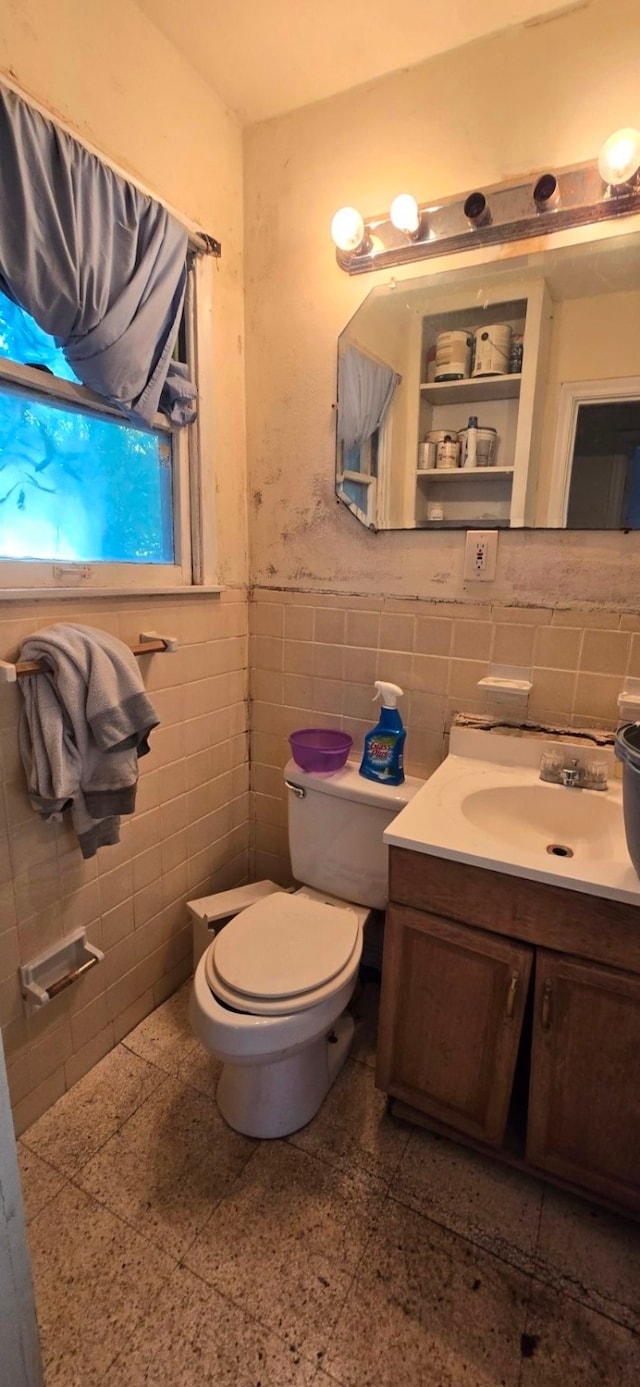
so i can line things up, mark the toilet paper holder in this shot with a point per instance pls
(57, 969)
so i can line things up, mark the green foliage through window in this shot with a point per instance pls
(76, 485)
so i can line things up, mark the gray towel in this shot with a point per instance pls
(85, 722)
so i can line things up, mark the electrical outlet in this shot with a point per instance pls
(480, 556)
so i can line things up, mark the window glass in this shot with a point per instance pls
(357, 493)
(22, 340)
(75, 485)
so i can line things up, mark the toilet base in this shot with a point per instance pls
(277, 1098)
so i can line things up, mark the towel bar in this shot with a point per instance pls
(150, 643)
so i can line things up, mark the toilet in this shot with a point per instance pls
(270, 991)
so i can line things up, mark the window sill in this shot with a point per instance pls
(68, 594)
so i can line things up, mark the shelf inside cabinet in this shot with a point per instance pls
(442, 392)
(469, 474)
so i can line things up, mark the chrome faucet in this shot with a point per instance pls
(570, 775)
(570, 771)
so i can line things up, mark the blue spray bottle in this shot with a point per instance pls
(383, 745)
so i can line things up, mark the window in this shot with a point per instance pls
(87, 499)
(359, 476)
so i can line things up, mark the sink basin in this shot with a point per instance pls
(546, 818)
(486, 805)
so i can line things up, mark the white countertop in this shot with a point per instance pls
(486, 805)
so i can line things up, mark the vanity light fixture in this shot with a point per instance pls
(546, 193)
(619, 160)
(574, 196)
(477, 210)
(405, 215)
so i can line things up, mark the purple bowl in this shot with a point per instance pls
(320, 749)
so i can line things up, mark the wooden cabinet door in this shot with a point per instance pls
(584, 1105)
(452, 1005)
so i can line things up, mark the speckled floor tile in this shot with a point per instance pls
(195, 1336)
(364, 1008)
(428, 1309)
(353, 1127)
(593, 1255)
(166, 1168)
(567, 1345)
(285, 1242)
(95, 1279)
(85, 1117)
(165, 1039)
(40, 1182)
(494, 1206)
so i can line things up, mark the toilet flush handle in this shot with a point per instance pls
(298, 790)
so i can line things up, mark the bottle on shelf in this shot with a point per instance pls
(470, 458)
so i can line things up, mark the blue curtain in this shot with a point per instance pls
(365, 391)
(97, 264)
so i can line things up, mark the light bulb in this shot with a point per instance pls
(404, 213)
(619, 158)
(347, 229)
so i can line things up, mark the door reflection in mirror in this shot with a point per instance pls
(604, 491)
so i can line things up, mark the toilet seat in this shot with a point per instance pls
(283, 955)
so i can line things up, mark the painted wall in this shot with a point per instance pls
(114, 79)
(522, 100)
(108, 74)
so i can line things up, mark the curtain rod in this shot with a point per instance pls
(199, 241)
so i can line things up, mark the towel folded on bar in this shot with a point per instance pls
(86, 719)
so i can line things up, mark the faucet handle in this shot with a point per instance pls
(551, 764)
(597, 773)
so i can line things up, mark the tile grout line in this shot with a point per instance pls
(262, 1324)
(71, 1176)
(537, 1272)
(216, 1206)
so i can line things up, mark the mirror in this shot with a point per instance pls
(501, 394)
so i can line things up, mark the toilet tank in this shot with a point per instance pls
(335, 831)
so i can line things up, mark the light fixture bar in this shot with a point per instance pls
(508, 212)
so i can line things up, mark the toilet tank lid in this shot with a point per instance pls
(222, 904)
(349, 784)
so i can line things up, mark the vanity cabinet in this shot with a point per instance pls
(450, 1046)
(584, 1105)
(489, 977)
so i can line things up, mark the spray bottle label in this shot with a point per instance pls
(380, 749)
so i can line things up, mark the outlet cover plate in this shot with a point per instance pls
(480, 556)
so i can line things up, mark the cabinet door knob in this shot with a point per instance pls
(511, 994)
(546, 1004)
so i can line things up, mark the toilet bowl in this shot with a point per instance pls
(270, 991)
(267, 1002)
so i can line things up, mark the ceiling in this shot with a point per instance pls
(267, 58)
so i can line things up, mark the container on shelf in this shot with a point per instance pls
(448, 453)
(516, 354)
(492, 349)
(485, 446)
(431, 446)
(435, 512)
(427, 454)
(453, 355)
